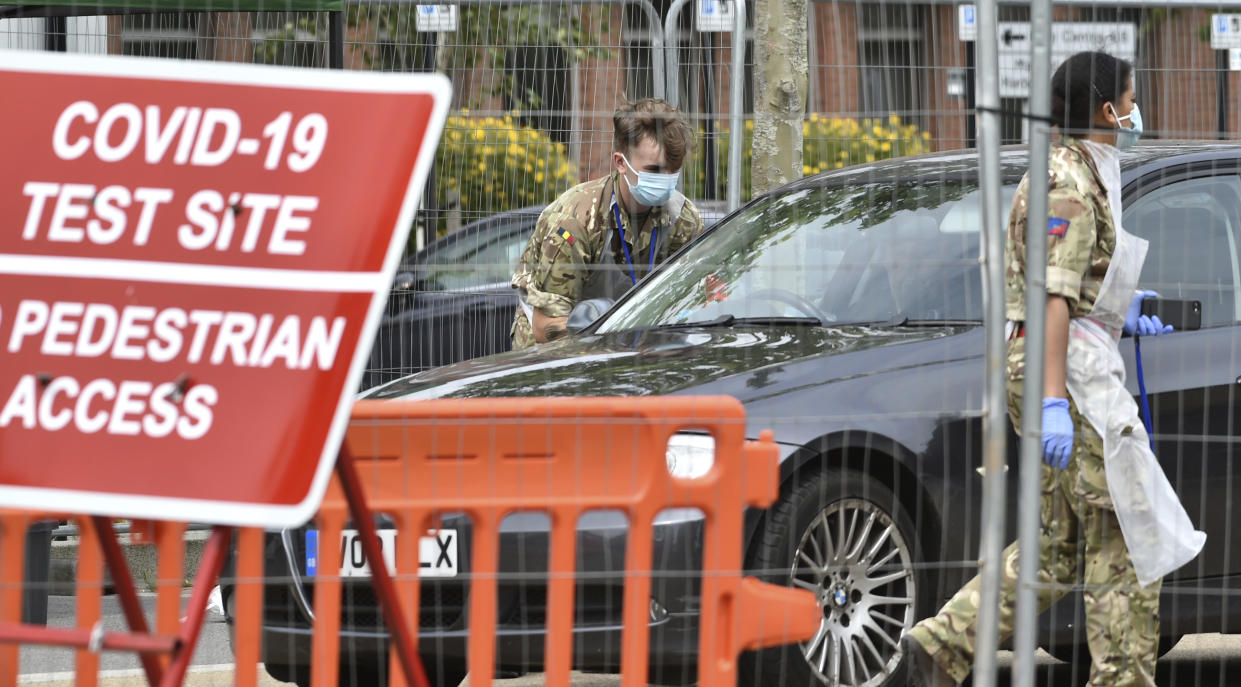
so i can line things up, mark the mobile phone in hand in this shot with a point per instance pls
(1181, 314)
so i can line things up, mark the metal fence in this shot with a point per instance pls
(893, 412)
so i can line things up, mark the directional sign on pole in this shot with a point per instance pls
(1067, 38)
(967, 22)
(193, 262)
(1225, 31)
(715, 15)
(435, 18)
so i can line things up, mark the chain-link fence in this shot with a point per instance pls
(849, 312)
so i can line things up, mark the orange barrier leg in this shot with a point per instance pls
(127, 595)
(209, 569)
(364, 522)
(249, 591)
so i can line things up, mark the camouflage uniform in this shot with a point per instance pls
(569, 258)
(1122, 619)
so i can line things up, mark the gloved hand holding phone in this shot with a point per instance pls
(1137, 324)
(1057, 432)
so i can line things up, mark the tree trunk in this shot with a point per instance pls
(780, 75)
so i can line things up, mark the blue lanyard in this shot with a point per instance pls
(1146, 409)
(633, 278)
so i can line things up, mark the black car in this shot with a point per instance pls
(451, 301)
(845, 311)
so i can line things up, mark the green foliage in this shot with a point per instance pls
(387, 39)
(497, 164)
(828, 143)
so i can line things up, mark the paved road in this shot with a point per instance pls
(1198, 661)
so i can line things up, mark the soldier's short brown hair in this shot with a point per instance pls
(655, 119)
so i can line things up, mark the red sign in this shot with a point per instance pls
(193, 262)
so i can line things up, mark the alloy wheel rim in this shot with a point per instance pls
(860, 568)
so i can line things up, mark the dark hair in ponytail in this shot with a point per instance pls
(1082, 85)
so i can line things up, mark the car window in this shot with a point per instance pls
(1193, 227)
(486, 256)
(842, 254)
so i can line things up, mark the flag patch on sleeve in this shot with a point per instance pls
(564, 234)
(1057, 226)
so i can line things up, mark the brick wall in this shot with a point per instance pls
(834, 58)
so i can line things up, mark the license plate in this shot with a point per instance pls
(437, 553)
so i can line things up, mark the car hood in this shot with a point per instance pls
(741, 362)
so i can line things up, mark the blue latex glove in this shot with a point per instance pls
(1057, 432)
(1135, 312)
(1150, 325)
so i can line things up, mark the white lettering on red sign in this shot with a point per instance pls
(198, 257)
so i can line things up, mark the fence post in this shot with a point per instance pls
(1029, 503)
(995, 426)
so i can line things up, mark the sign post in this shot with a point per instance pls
(1116, 39)
(195, 261)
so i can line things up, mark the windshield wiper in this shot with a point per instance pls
(776, 321)
(732, 320)
(721, 321)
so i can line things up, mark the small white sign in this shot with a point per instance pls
(1225, 31)
(431, 18)
(1234, 59)
(967, 23)
(715, 15)
(1117, 39)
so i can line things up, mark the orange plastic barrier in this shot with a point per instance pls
(489, 458)
(164, 651)
(410, 460)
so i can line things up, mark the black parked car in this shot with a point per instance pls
(451, 301)
(845, 312)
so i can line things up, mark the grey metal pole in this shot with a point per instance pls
(736, 107)
(995, 425)
(1029, 505)
(672, 61)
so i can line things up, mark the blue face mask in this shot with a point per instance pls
(653, 189)
(1127, 137)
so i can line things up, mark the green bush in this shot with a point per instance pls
(496, 164)
(828, 143)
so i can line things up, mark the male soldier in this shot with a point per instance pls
(600, 237)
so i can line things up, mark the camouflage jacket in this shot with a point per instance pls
(1080, 233)
(567, 251)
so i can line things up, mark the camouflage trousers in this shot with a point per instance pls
(521, 331)
(1122, 619)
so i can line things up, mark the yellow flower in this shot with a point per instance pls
(482, 166)
(539, 162)
(870, 157)
(885, 147)
(538, 178)
(805, 170)
(514, 149)
(894, 120)
(512, 136)
(488, 150)
(528, 167)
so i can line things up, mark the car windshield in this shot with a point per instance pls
(865, 253)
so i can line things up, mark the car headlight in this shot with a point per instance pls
(690, 455)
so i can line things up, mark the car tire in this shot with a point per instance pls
(1079, 653)
(443, 672)
(284, 672)
(871, 589)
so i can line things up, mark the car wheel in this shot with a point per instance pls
(284, 672)
(443, 672)
(845, 538)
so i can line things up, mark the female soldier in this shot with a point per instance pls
(1092, 273)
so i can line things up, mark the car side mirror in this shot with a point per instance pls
(586, 312)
